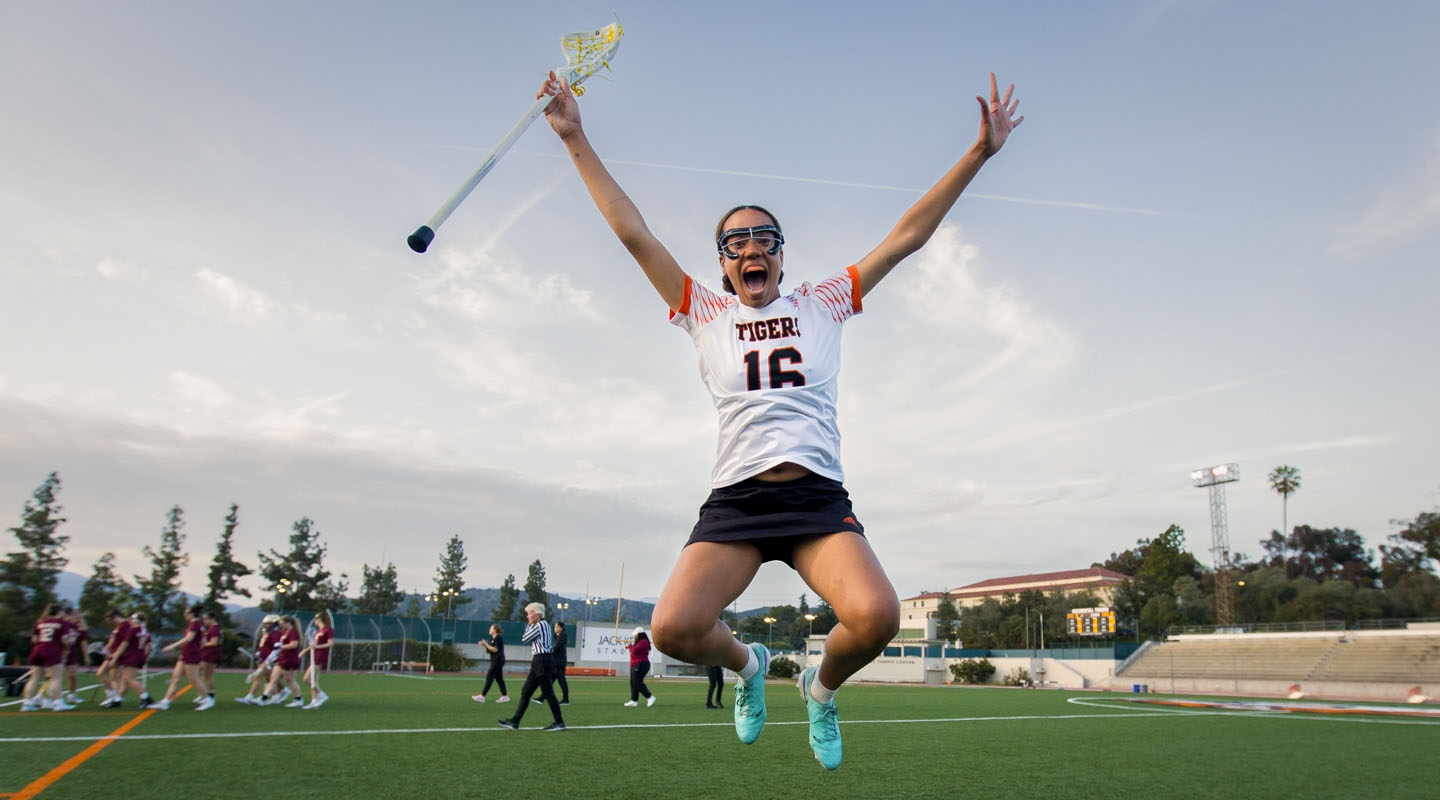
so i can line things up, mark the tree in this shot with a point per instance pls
(1322, 554)
(535, 585)
(225, 571)
(298, 580)
(379, 591)
(1285, 479)
(449, 578)
(505, 608)
(28, 576)
(103, 590)
(947, 620)
(158, 591)
(1424, 533)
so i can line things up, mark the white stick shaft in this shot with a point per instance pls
(490, 161)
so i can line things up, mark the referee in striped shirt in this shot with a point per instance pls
(542, 670)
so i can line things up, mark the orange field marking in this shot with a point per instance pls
(48, 779)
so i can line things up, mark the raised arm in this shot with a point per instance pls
(997, 119)
(619, 212)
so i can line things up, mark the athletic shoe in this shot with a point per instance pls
(296, 703)
(750, 699)
(146, 701)
(650, 701)
(564, 702)
(30, 705)
(246, 700)
(554, 726)
(711, 705)
(509, 724)
(631, 704)
(504, 698)
(73, 699)
(198, 700)
(318, 700)
(284, 695)
(479, 698)
(60, 705)
(537, 701)
(824, 723)
(163, 705)
(205, 705)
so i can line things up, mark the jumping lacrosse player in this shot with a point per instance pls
(771, 363)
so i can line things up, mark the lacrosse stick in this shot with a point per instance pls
(585, 53)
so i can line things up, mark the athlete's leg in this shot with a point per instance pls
(707, 578)
(844, 571)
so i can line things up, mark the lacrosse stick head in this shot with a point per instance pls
(587, 52)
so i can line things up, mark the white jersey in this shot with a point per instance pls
(773, 374)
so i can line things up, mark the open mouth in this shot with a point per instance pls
(755, 278)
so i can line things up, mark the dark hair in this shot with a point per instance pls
(720, 228)
(559, 624)
(641, 635)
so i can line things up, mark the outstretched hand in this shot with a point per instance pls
(564, 113)
(997, 118)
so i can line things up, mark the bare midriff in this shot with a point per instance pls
(783, 472)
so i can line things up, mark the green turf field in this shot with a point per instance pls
(422, 737)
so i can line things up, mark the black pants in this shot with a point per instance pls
(560, 679)
(637, 681)
(542, 674)
(717, 684)
(495, 675)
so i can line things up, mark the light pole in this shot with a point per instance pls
(280, 589)
(589, 603)
(1215, 478)
(771, 644)
(810, 618)
(561, 608)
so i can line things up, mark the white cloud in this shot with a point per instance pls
(119, 270)
(236, 295)
(1402, 212)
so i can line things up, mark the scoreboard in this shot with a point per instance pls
(1099, 621)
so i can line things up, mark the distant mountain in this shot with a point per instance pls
(68, 587)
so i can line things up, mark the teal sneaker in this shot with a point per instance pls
(824, 723)
(749, 702)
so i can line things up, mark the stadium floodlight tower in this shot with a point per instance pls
(1215, 479)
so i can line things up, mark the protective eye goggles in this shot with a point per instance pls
(766, 237)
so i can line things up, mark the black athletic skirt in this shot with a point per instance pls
(775, 516)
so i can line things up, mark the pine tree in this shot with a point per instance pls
(298, 580)
(225, 571)
(505, 608)
(379, 591)
(535, 586)
(449, 581)
(27, 577)
(103, 590)
(159, 592)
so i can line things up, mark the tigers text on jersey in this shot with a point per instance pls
(773, 374)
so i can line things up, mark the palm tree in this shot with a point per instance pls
(1285, 479)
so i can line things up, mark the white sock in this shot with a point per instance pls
(819, 693)
(751, 667)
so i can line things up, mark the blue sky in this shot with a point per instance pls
(1213, 240)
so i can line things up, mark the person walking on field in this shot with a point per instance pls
(496, 674)
(639, 668)
(562, 661)
(771, 363)
(716, 674)
(542, 670)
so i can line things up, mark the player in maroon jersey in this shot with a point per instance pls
(212, 651)
(319, 651)
(188, 664)
(75, 654)
(108, 674)
(287, 662)
(133, 655)
(265, 655)
(47, 658)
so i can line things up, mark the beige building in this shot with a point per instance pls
(917, 613)
(1098, 581)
